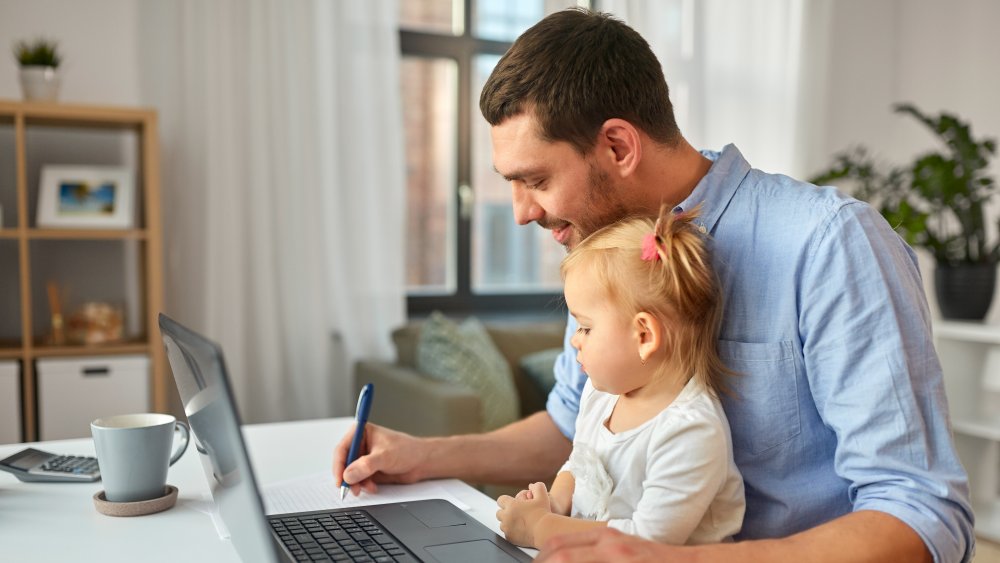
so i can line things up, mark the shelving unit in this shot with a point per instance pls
(970, 359)
(34, 246)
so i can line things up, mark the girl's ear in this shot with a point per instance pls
(648, 335)
(620, 141)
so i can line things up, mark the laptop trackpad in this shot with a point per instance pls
(480, 551)
(436, 515)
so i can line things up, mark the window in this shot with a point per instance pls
(464, 251)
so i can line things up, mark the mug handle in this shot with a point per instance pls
(180, 425)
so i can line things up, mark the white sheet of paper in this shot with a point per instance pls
(319, 492)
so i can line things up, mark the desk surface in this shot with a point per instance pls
(58, 521)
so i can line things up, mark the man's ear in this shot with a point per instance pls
(648, 335)
(619, 140)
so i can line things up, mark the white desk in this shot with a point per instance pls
(58, 521)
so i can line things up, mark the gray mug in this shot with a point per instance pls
(133, 452)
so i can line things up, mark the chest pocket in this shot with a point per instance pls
(764, 412)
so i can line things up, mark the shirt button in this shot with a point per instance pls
(702, 229)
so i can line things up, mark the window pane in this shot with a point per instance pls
(504, 20)
(506, 257)
(432, 16)
(430, 115)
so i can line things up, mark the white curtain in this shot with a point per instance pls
(748, 72)
(283, 188)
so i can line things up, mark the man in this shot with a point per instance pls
(838, 416)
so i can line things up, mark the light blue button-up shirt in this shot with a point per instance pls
(840, 404)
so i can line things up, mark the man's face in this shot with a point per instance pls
(552, 184)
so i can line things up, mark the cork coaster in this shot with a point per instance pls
(137, 508)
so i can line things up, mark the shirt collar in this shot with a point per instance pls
(717, 188)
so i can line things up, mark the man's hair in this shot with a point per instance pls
(676, 285)
(576, 69)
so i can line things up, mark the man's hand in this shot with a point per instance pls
(519, 516)
(386, 456)
(862, 536)
(605, 544)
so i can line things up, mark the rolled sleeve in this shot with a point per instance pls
(563, 404)
(876, 381)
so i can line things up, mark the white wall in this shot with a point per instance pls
(99, 40)
(938, 54)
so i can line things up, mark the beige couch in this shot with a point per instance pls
(412, 402)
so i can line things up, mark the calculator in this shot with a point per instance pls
(34, 465)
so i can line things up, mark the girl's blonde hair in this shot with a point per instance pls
(677, 286)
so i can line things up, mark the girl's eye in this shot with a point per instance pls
(583, 330)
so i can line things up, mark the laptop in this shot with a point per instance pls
(429, 530)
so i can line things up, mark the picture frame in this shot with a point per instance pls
(86, 197)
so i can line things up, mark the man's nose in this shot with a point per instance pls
(525, 208)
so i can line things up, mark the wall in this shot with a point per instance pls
(99, 39)
(939, 55)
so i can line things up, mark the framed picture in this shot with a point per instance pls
(89, 197)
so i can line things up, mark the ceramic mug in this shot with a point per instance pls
(134, 453)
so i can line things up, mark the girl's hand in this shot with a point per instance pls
(519, 516)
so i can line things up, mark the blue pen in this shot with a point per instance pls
(361, 417)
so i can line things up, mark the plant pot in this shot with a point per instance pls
(965, 291)
(40, 83)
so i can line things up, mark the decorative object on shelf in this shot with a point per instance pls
(937, 202)
(39, 61)
(97, 197)
(58, 337)
(95, 323)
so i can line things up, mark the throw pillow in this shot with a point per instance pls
(539, 367)
(466, 355)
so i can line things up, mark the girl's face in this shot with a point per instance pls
(607, 340)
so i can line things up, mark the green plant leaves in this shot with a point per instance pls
(936, 202)
(40, 52)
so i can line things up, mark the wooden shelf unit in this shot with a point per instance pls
(25, 115)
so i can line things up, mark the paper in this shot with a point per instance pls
(319, 492)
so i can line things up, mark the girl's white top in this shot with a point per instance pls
(672, 479)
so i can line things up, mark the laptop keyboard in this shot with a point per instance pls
(338, 536)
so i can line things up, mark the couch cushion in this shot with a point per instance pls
(466, 355)
(405, 340)
(539, 368)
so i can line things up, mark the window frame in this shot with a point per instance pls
(463, 49)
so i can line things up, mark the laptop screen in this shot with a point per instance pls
(200, 374)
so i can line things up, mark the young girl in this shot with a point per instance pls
(652, 454)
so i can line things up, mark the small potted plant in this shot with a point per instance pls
(39, 61)
(936, 202)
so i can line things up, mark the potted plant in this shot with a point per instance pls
(936, 202)
(39, 61)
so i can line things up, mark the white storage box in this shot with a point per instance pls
(10, 402)
(72, 392)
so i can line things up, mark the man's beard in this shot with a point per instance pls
(603, 199)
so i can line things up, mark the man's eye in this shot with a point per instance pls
(536, 186)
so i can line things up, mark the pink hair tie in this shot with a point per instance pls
(649, 252)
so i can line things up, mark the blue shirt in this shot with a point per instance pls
(839, 405)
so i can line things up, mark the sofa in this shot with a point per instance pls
(418, 404)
